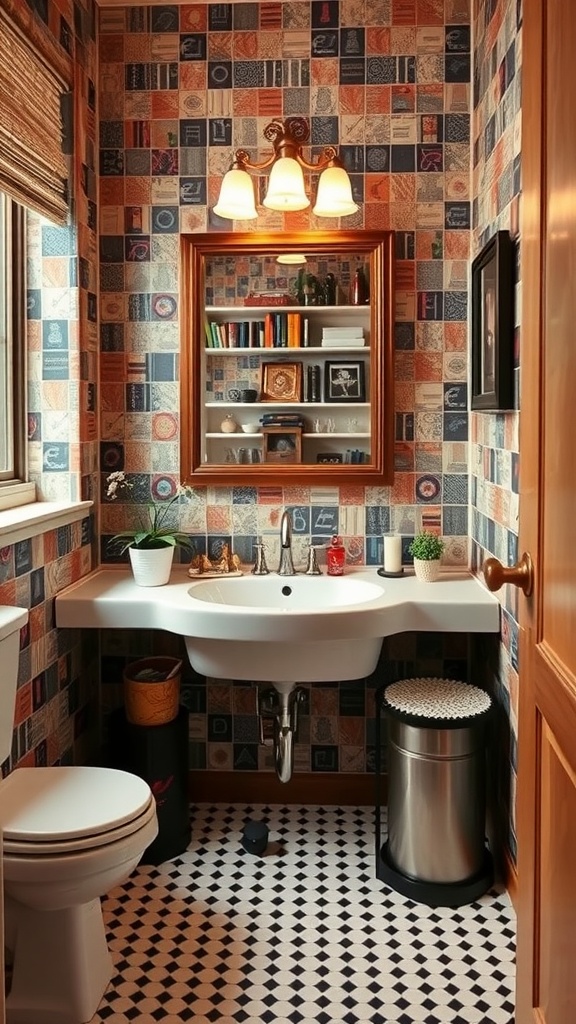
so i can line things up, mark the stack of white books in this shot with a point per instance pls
(343, 337)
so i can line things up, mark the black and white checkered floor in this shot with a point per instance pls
(303, 934)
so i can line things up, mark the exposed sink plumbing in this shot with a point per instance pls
(280, 703)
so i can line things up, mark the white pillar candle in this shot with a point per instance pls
(392, 552)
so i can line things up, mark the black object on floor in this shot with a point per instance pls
(255, 837)
(435, 894)
(159, 755)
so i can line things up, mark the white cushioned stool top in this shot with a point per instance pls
(437, 698)
(41, 804)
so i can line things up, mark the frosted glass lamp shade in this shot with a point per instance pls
(292, 259)
(334, 197)
(236, 199)
(286, 187)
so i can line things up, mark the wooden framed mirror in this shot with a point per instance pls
(305, 346)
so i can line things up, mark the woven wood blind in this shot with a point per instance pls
(32, 166)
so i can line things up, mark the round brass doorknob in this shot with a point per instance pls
(519, 575)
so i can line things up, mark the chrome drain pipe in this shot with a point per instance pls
(282, 707)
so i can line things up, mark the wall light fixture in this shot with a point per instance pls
(286, 191)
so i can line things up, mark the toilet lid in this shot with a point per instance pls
(46, 804)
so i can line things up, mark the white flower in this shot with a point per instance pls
(116, 480)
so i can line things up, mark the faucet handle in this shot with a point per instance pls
(260, 568)
(312, 568)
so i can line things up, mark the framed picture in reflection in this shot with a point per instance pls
(344, 381)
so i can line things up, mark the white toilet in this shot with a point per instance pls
(70, 835)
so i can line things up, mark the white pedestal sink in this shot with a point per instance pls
(286, 628)
(281, 630)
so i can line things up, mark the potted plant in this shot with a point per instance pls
(307, 288)
(151, 544)
(426, 549)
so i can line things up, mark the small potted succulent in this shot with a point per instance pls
(426, 549)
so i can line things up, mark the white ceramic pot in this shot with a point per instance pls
(427, 571)
(151, 566)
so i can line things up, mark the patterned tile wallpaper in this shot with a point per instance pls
(57, 702)
(180, 87)
(496, 154)
(57, 714)
(62, 273)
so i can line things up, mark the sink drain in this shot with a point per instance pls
(286, 591)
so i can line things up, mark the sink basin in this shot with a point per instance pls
(287, 593)
(286, 628)
(321, 628)
(11, 619)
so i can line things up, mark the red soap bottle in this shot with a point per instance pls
(335, 557)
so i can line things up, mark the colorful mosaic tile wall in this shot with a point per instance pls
(494, 436)
(180, 88)
(62, 303)
(390, 84)
(58, 682)
(57, 701)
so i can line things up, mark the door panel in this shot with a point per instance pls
(559, 456)
(556, 985)
(546, 804)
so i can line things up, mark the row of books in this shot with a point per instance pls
(276, 330)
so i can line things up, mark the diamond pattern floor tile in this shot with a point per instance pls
(305, 934)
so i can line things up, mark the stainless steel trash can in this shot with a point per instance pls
(436, 849)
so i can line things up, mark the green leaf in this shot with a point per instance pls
(426, 546)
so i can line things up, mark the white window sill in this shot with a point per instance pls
(38, 517)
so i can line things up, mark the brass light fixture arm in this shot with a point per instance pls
(287, 138)
(243, 162)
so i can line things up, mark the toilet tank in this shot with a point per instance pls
(11, 622)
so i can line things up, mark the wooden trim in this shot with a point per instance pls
(510, 878)
(19, 337)
(149, 3)
(194, 250)
(304, 788)
(532, 381)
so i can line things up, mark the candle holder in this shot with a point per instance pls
(392, 555)
(392, 575)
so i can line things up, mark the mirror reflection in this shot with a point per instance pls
(286, 345)
(289, 279)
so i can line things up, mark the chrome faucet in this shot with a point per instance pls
(286, 566)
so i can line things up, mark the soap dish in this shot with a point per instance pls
(391, 575)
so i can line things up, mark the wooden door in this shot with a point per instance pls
(546, 794)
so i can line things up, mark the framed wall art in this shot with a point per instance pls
(492, 356)
(281, 382)
(344, 381)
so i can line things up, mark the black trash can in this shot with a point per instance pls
(159, 755)
(436, 848)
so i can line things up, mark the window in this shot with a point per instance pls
(12, 355)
